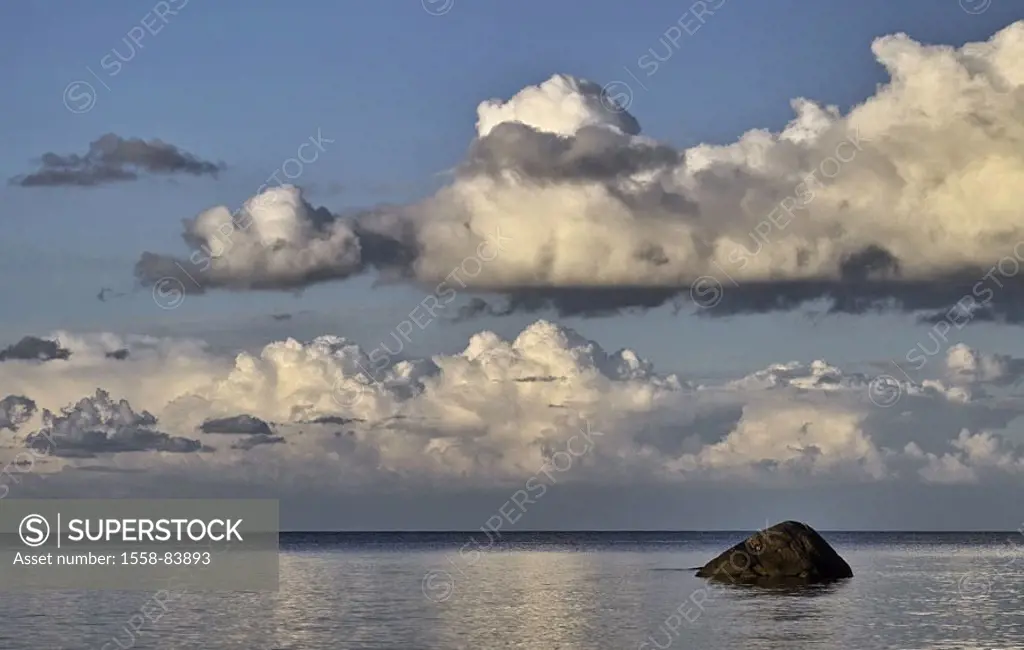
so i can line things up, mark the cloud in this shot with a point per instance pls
(251, 442)
(236, 424)
(153, 371)
(594, 153)
(104, 292)
(563, 105)
(909, 201)
(31, 348)
(275, 241)
(972, 454)
(113, 159)
(15, 410)
(98, 425)
(322, 415)
(967, 365)
(333, 419)
(813, 438)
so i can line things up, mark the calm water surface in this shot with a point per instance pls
(611, 591)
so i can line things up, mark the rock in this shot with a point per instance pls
(790, 553)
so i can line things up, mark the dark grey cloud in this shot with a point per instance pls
(106, 293)
(871, 285)
(15, 410)
(109, 469)
(98, 425)
(594, 153)
(246, 444)
(236, 424)
(112, 159)
(118, 355)
(1005, 312)
(33, 348)
(570, 301)
(333, 419)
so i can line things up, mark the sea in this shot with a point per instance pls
(555, 591)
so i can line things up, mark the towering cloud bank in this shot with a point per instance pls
(911, 200)
(548, 403)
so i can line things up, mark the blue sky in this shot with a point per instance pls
(396, 88)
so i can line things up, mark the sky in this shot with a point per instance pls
(620, 153)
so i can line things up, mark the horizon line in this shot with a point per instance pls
(642, 530)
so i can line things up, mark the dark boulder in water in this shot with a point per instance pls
(790, 553)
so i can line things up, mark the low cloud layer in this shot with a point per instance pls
(307, 415)
(909, 201)
(113, 159)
